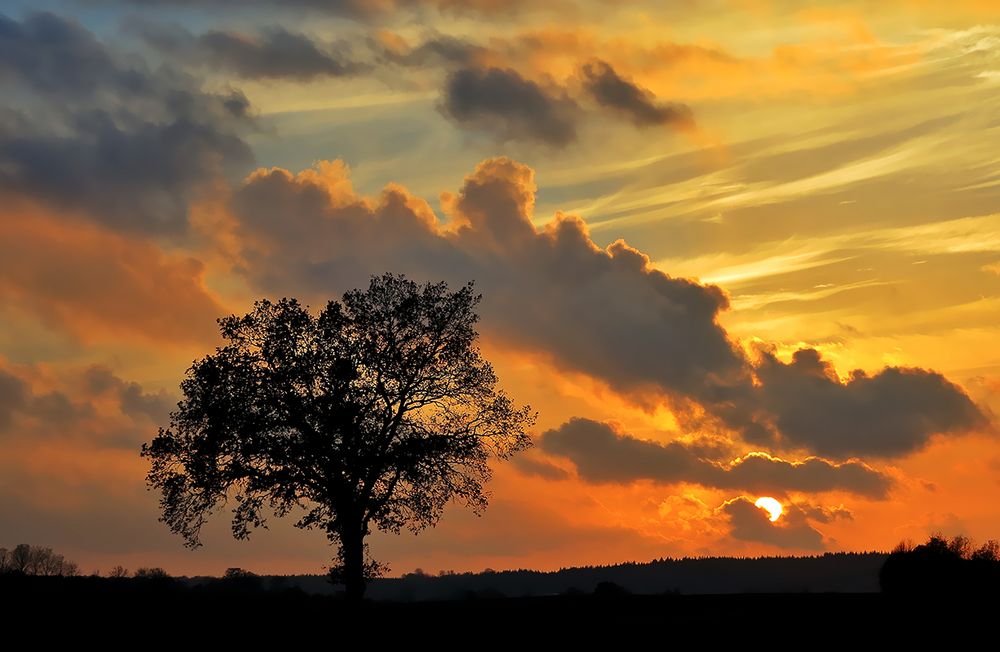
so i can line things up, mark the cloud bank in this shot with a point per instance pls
(86, 131)
(606, 312)
(602, 453)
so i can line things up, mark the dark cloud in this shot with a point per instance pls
(821, 514)
(603, 454)
(94, 406)
(13, 395)
(132, 399)
(57, 409)
(604, 311)
(275, 53)
(749, 523)
(890, 413)
(87, 131)
(533, 465)
(502, 103)
(614, 92)
(52, 409)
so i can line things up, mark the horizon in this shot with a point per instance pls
(741, 257)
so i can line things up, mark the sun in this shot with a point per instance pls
(771, 506)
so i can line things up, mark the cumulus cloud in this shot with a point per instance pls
(889, 413)
(612, 91)
(505, 104)
(793, 530)
(606, 312)
(87, 131)
(602, 453)
(274, 53)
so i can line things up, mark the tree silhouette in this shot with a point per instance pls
(942, 567)
(378, 411)
(26, 559)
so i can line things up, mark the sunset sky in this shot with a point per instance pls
(727, 249)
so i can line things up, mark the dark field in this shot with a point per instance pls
(936, 589)
(202, 613)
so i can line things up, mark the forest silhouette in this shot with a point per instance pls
(805, 594)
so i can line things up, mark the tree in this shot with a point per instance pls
(375, 412)
(940, 567)
(26, 559)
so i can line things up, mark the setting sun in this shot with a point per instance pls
(771, 506)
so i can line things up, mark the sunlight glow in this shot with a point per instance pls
(771, 506)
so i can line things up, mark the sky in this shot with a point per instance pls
(727, 249)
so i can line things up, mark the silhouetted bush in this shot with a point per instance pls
(941, 567)
(155, 574)
(118, 572)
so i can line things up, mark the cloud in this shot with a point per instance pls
(606, 312)
(505, 104)
(440, 49)
(90, 406)
(612, 91)
(132, 399)
(890, 413)
(822, 514)
(525, 463)
(12, 397)
(355, 9)
(87, 131)
(52, 409)
(602, 453)
(274, 53)
(97, 284)
(749, 523)
(24, 408)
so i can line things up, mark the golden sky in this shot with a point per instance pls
(728, 249)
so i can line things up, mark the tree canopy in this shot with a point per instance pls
(375, 412)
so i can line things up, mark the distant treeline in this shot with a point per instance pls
(939, 566)
(842, 572)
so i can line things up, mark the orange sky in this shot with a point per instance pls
(690, 228)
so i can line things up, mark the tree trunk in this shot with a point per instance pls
(353, 543)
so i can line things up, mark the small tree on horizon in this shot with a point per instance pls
(376, 412)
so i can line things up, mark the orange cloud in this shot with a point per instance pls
(99, 285)
(841, 59)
